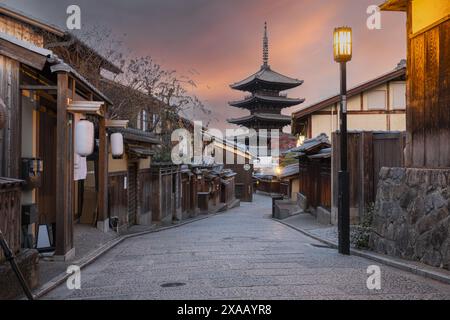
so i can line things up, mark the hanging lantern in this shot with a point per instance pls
(2, 114)
(84, 138)
(117, 145)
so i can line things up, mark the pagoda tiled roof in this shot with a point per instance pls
(267, 75)
(270, 117)
(272, 99)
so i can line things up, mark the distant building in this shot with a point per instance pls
(376, 105)
(265, 101)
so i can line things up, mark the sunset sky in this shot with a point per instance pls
(218, 42)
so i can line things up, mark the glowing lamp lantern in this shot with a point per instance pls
(342, 48)
(278, 171)
(84, 138)
(117, 148)
(342, 44)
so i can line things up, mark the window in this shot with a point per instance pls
(398, 96)
(144, 121)
(138, 121)
(376, 100)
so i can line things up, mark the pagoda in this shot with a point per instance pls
(266, 99)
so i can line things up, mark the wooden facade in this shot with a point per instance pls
(190, 182)
(165, 193)
(38, 89)
(118, 199)
(428, 81)
(10, 135)
(130, 179)
(10, 210)
(144, 191)
(428, 98)
(227, 193)
(239, 161)
(368, 152)
(315, 181)
(243, 181)
(244, 168)
(378, 104)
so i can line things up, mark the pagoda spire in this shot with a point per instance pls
(265, 47)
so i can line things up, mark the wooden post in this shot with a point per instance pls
(409, 119)
(102, 220)
(64, 219)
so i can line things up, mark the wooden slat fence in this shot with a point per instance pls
(368, 152)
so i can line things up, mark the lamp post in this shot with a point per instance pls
(342, 55)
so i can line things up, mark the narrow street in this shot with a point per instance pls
(240, 254)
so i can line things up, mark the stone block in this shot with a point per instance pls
(412, 215)
(323, 216)
(302, 201)
(285, 209)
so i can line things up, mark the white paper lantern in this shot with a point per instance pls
(117, 145)
(84, 138)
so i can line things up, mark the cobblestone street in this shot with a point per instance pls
(240, 254)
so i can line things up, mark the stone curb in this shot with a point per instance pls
(94, 255)
(424, 271)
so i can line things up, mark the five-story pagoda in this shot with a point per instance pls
(266, 99)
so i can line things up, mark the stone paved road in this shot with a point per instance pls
(240, 254)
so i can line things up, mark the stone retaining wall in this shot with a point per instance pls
(411, 218)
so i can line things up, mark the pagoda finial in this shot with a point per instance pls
(265, 47)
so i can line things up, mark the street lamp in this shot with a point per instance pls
(342, 55)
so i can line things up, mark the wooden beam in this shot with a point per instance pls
(38, 88)
(394, 5)
(27, 19)
(64, 219)
(388, 105)
(102, 172)
(22, 54)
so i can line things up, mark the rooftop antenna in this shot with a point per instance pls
(265, 47)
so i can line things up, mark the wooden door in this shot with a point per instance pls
(132, 194)
(47, 152)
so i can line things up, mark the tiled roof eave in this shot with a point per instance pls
(269, 118)
(268, 76)
(285, 85)
(275, 100)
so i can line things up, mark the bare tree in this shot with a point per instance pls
(160, 92)
(89, 52)
(133, 84)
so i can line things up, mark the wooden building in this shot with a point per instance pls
(408, 220)
(428, 83)
(45, 98)
(368, 152)
(191, 179)
(289, 181)
(129, 179)
(378, 104)
(166, 193)
(314, 174)
(240, 161)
